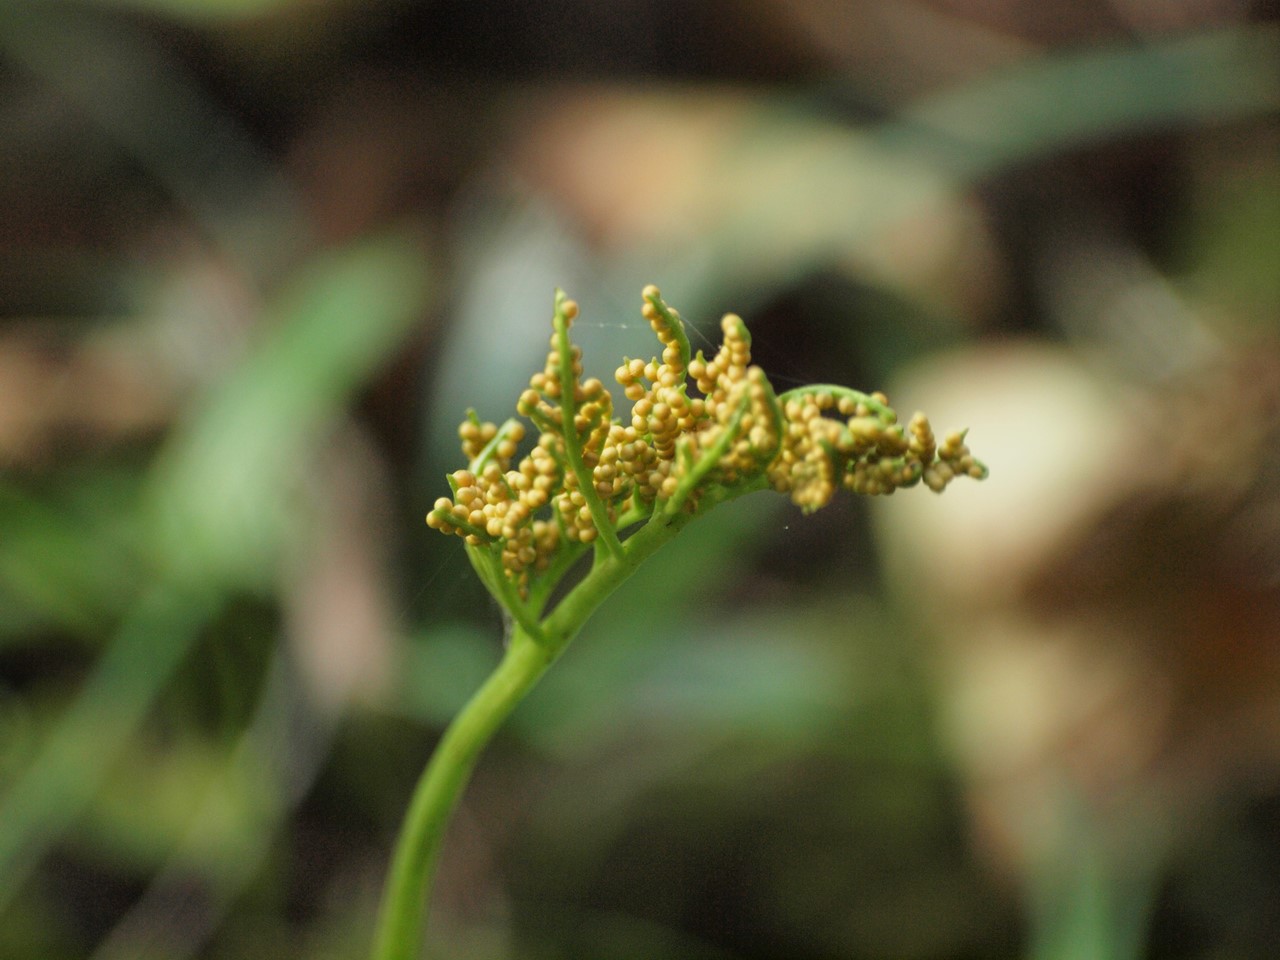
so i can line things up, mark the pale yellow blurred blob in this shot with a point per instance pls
(1108, 639)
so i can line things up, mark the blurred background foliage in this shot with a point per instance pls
(256, 258)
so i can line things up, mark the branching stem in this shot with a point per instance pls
(403, 914)
(739, 438)
(413, 865)
(572, 441)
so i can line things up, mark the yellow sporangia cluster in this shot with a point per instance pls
(838, 438)
(733, 431)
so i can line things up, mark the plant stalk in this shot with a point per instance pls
(401, 920)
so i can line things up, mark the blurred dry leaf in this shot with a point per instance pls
(59, 392)
(1109, 602)
(894, 51)
(338, 599)
(766, 190)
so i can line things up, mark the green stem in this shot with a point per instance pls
(413, 866)
(607, 575)
(488, 566)
(882, 411)
(709, 458)
(676, 326)
(403, 914)
(572, 442)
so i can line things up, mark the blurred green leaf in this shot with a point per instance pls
(71, 557)
(801, 193)
(145, 812)
(212, 11)
(1058, 102)
(1230, 246)
(226, 489)
(222, 502)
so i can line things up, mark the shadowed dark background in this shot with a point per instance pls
(258, 256)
